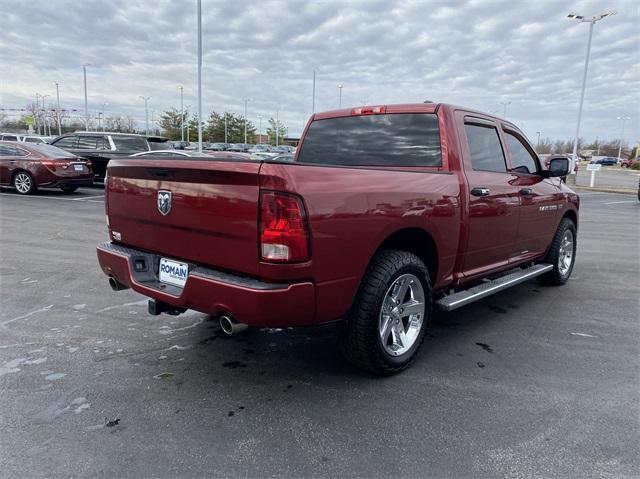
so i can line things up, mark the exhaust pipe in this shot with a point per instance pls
(116, 285)
(231, 326)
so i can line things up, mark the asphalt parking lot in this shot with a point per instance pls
(533, 382)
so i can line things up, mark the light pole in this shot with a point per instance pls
(504, 108)
(340, 95)
(146, 112)
(623, 119)
(200, 76)
(277, 126)
(182, 113)
(104, 118)
(592, 21)
(313, 96)
(86, 108)
(226, 116)
(58, 110)
(35, 113)
(260, 129)
(246, 100)
(44, 115)
(538, 144)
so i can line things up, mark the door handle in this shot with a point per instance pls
(480, 191)
(526, 191)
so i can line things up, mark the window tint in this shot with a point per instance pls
(374, 140)
(67, 142)
(485, 149)
(21, 152)
(6, 150)
(88, 142)
(9, 137)
(520, 155)
(130, 143)
(31, 139)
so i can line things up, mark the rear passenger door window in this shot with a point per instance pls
(89, 142)
(485, 148)
(522, 160)
(67, 142)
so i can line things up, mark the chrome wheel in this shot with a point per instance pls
(565, 254)
(23, 183)
(402, 315)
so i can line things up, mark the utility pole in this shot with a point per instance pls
(58, 110)
(340, 95)
(182, 113)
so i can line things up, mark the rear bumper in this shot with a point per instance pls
(210, 291)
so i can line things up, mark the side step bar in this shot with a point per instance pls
(464, 297)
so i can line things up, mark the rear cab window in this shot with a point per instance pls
(392, 139)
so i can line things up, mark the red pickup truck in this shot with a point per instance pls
(385, 212)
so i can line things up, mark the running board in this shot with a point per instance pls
(464, 297)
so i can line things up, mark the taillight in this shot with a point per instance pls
(284, 234)
(53, 164)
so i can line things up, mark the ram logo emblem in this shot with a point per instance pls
(164, 202)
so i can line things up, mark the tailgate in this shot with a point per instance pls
(201, 211)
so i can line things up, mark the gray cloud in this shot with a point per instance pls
(475, 53)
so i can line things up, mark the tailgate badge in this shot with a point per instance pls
(164, 202)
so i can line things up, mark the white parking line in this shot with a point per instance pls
(88, 198)
(619, 202)
(54, 198)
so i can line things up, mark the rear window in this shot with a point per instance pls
(374, 140)
(130, 143)
(51, 151)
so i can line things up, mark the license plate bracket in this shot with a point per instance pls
(173, 272)
(78, 167)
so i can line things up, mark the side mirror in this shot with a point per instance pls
(558, 167)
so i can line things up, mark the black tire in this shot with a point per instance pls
(68, 189)
(358, 335)
(24, 183)
(557, 276)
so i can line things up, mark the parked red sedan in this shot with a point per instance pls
(28, 167)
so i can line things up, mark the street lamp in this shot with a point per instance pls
(246, 100)
(623, 119)
(277, 126)
(86, 108)
(260, 129)
(504, 108)
(340, 95)
(182, 113)
(538, 145)
(58, 110)
(592, 21)
(200, 76)
(313, 95)
(44, 115)
(104, 118)
(146, 112)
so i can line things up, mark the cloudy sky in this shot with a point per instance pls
(476, 53)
